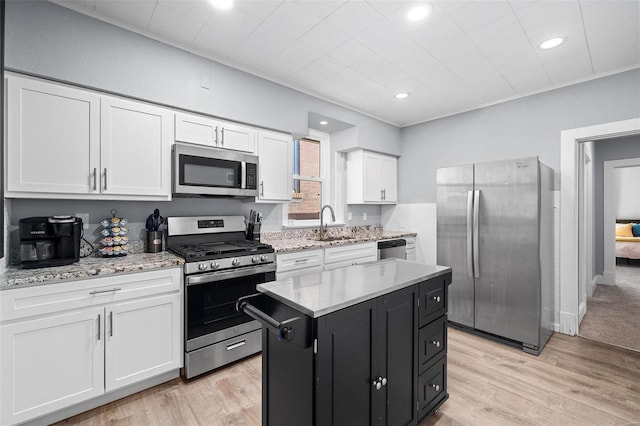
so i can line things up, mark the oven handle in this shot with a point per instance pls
(231, 273)
(284, 330)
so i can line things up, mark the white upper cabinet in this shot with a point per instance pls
(209, 131)
(275, 176)
(64, 142)
(53, 138)
(371, 178)
(135, 148)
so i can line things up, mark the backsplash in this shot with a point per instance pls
(366, 231)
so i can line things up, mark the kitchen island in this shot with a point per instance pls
(364, 344)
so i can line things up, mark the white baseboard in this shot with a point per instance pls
(568, 323)
(608, 278)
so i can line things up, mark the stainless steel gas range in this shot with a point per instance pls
(220, 267)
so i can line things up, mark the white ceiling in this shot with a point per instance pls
(357, 53)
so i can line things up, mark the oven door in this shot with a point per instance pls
(210, 311)
(210, 171)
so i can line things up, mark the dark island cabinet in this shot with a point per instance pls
(378, 362)
(366, 362)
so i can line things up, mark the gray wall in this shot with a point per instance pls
(605, 150)
(524, 127)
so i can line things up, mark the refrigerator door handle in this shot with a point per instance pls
(469, 233)
(476, 208)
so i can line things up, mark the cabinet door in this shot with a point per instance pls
(195, 129)
(398, 358)
(371, 170)
(135, 148)
(236, 136)
(275, 167)
(53, 137)
(143, 339)
(344, 367)
(388, 178)
(50, 363)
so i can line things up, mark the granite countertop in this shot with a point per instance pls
(321, 293)
(88, 267)
(295, 240)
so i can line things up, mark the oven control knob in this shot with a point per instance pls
(264, 257)
(215, 265)
(235, 262)
(202, 266)
(255, 259)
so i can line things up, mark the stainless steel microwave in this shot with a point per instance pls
(203, 170)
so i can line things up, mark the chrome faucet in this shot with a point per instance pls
(322, 225)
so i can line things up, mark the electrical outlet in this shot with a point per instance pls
(364, 215)
(350, 216)
(85, 219)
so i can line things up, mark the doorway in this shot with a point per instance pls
(572, 216)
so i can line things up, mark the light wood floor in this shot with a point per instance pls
(575, 381)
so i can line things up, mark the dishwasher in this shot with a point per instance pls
(396, 248)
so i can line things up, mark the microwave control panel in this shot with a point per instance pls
(252, 176)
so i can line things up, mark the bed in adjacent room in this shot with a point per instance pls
(628, 239)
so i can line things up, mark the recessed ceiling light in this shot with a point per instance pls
(222, 4)
(324, 123)
(419, 12)
(552, 42)
(402, 95)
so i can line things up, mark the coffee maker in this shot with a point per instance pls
(49, 241)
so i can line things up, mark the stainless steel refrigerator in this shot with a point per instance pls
(495, 230)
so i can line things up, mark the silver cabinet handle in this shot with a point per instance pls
(111, 324)
(301, 260)
(381, 196)
(99, 327)
(216, 131)
(222, 138)
(113, 290)
(95, 178)
(436, 387)
(261, 188)
(377, 383)
(236, 345)
(435, 343)
(436, 298)
(105, 178)
(384, 194)
(384, 381)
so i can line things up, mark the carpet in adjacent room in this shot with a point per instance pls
(613, 312)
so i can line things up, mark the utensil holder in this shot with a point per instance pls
(154, 241)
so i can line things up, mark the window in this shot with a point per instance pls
(307, 184)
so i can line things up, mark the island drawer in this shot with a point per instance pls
(432, 342)
(433, 298)
(432, 387)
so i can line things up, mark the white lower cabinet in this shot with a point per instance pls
(109, 333)
(350, 254)
(299, 263)
(50, 363)
(141, 340)
(411, 248)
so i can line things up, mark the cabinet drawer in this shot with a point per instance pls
(299, 260)
(432, 388)
(432, 342)
(45, 299)
(433, 298)
(336, 257)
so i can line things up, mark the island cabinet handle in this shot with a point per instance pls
(435, 343)
(436, 298)
(295, 330)
(436, 387)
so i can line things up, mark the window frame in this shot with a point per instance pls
(325, 180)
